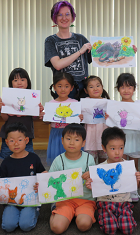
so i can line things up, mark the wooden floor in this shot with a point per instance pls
(41, 131)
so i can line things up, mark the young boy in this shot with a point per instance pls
(73, 139)
(20, 163)
(114, 211)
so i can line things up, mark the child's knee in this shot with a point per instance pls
(9, 226)
(84, 222)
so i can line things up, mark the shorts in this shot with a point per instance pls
(75, 207)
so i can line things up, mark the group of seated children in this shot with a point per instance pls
(114, 211)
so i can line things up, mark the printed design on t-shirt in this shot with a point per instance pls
(63, 112)
(31, 166)
(111, 176)
(67, 48)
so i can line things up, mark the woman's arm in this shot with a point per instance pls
(59, 64)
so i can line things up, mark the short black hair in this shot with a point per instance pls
(112, 133)
(22, 73)
(126, 78)
(16, 126)
(75, 128)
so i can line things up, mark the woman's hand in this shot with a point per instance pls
(85, 47)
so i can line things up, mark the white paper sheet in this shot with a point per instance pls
(60, 185)
(125, 115)
(62, 112)
(111, 178)
(112, 52)
(22, 188)
(93, 110)
(20, 101)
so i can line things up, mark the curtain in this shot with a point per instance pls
(24, 25)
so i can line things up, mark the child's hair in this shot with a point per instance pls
(125, 78)
(75, 128)
(16, 126)
(19, 72)
(56, 8)
(112, 133)
(92, 77)
(60, 76)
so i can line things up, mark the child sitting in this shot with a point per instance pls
(114, 211)
(15, 165)
(73, 139)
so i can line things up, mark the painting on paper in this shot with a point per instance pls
(20, 101)
(112, 52)
(62, 112)
(113, 178)
(60, 185)
(125, 115)
(93, 110)
(18, 191)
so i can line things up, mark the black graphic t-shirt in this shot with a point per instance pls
(55, 46)
(16, 167)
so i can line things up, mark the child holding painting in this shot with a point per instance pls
(114, 211)
(18, 78)
(73, 139)
(94, 88)
(19, 164)
(63, 84)
(126, 86)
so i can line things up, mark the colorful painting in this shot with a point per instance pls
(125, 115)
(62, 112)
(112, 52)
(20, 101)
(18, 191)
(113, 178)
(60, 185)
(93, 110)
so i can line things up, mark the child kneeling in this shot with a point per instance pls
(16, 165)
(73, 139)
(114, 211)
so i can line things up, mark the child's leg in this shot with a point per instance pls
(10, 218)
(106, 217)
(84, 222)
(85, 214)
(28, 218)
(126, 220)
(59, 223)
(62, 216)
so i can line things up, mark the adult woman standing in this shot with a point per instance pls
(66, 51)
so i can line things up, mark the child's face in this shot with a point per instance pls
(72, 143)
(16, 141)
(126, 92)
(94, 89)
(114, 150)
(63, 88)
(19, 82)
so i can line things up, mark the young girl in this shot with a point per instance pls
(63, 84)
(94, 88)
(18, 78)
(126, 86)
